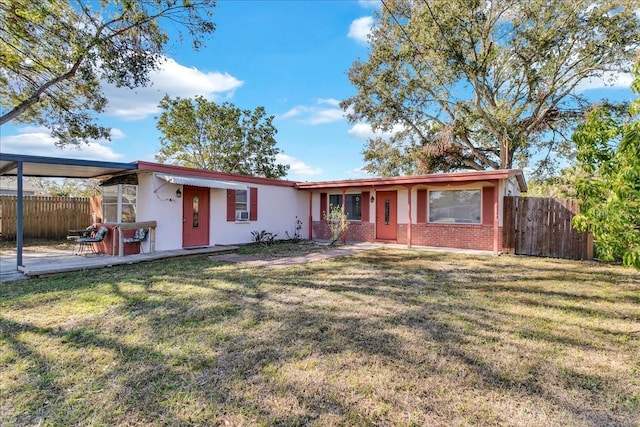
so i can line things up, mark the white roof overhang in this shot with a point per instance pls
(200, 182)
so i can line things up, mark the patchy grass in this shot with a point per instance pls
(386, 337)
(282, 248)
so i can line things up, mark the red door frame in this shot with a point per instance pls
(386, 225)
(195, 228)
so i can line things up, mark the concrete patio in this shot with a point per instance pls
(53, 261)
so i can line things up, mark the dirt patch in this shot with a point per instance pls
(37, 245)
(269, 261)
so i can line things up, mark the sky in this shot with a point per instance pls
(289, 56)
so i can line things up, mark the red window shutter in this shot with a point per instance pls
(323, 206)
(365, 206)
(253, 204)
(422, 207)
(231, 205)
(487, 205)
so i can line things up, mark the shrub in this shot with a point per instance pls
(263, 237)
(337, 222)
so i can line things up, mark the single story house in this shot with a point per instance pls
(192, 207)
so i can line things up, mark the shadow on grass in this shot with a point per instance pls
(368, 339)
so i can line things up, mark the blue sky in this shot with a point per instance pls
(290, 56)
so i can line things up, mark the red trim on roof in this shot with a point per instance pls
(435, 178)
(201, 173)
(457, 177)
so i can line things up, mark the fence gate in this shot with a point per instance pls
(542, 227)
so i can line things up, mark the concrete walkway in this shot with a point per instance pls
(349, 249)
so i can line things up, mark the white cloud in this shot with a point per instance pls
(326, 116)
(329, 101)
(358, 173)
(295, 111)
(173, 79)
(37, 141)
(318, 113)
(297, 168)
(364, 131)
(360, 28)
(369, 3)
(610, 80)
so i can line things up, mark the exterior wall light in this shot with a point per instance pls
(372, 199)
(178, 193)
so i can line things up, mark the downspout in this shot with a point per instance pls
(496, 222)
(409, 188)
(310, 215)
(344, 219)
(19, 221)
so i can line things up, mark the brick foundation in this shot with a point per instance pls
(356, 231)
(462, 236)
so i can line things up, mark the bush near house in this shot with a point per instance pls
(337, 222)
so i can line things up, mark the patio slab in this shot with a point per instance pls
(54, 261)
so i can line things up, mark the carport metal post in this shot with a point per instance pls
(19, 219)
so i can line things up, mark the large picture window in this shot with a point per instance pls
(353, 205)
(455, 206)
(119, 203)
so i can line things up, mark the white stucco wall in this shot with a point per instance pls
(157, 202)
(278, 208)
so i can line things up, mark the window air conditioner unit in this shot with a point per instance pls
(242, 216)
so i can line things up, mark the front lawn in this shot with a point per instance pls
(385, 337)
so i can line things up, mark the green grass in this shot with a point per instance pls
(386, 337)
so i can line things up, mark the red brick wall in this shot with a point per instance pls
(356, 231)
(463, 236)
(321, 230)
(360, 232)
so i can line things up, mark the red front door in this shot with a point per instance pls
(195, 216)
(386, 215)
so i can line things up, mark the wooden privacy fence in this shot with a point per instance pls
(542, 227)
(47, 217)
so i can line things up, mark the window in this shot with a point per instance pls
(119, 203)
(353, 205)
(195, 209)
(455, 206)
(242, 205)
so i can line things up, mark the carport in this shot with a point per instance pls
(22, 166)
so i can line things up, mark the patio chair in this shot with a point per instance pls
(138, 237)
(88, 241)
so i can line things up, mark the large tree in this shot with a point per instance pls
(609, 190)
(464, 84)
(54, 54)
(202, 134)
